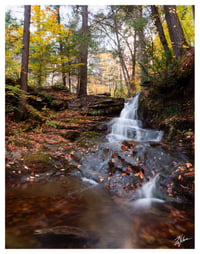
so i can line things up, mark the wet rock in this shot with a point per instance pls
(65, 237)
(98, 105)
(39, 162)
(106, 107)
(72, 135)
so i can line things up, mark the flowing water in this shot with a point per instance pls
(129, 127)
(117, 198)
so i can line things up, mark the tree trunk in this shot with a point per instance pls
(141, 45)
(69, 82)
(134, 62)
(39, 74)
(25, 56)
(175, 30)
(84, 53)
(122, 62)
(61, 50)
(193, 11)
(159, 27)
(25, 50)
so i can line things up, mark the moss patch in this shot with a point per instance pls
(39, 162)
(88, 139)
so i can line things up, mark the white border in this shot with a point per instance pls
(197, 126)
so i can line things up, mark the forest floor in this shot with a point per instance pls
(60, 132)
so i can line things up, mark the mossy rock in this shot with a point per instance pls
(39, 162)
(90, 134)
(88, 139)
(72, 135)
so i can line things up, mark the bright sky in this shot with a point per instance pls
(18, 10)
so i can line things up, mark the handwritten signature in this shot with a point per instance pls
(181, 239)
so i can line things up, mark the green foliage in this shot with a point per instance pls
(13, 46)
(171, 111)
(49, 97)
(121, 91)
(52, 123)
(53, 47)
(34, 113)
(11, 108)
(163, 70)
(185, 15)
(168, 80)
(15, 91)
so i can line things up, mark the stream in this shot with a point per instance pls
(129, 192)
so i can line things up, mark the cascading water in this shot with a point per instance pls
(145, 195)
(129, 127)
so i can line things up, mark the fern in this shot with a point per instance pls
(34, 112)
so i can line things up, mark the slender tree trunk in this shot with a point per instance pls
(25, 56)
(142, 57)
(39, 74)
(193, 11)
(61, 50)
(175, 30)
(122, 62)
(159, 27)
(134, 62)
(84, 53)
(25, 50)
(69, 82)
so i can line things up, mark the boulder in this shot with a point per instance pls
(39, 162)
(98, 105)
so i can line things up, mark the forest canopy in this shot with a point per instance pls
(92, 50)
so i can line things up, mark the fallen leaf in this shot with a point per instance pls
(140, 174)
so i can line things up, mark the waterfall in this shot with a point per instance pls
(128, 127)
(144, 197)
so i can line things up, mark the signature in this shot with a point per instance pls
(181, 239)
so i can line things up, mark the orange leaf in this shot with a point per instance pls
(140, 174)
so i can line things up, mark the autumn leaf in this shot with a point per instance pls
(140, 174)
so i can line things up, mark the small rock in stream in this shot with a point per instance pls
(65, 237)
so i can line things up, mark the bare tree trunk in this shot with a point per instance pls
(193, 11)
(25, 56)
(122, 62)
(25, 50)
(175, 30)
(39, 74)
(84, 53)
(61, 50)
(159, 27)
(69, 82)
(134, 63)
(142, 58)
